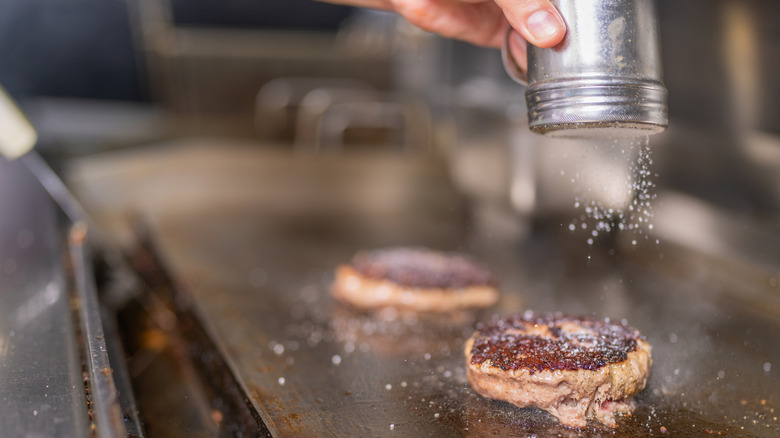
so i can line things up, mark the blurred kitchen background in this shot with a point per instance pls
(259, 143)
(317, 77)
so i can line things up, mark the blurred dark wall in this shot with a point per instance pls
(271, 14)
(68, 48)
(85, 49)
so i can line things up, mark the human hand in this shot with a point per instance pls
(481, 22)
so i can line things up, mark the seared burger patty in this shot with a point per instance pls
(571, 366)
(414, 279)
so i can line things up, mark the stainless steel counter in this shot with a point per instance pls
(41, 387)
(252, 236)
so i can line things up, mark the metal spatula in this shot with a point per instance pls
(17, 135)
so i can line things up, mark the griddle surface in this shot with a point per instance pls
(254, 235)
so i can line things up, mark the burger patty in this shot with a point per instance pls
(416, 279)
(574, 367)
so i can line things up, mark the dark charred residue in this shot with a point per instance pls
(422, 268)
(506, 344)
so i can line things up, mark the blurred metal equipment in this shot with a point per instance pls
(604, 79)
(278, 101)
(407, 122)
(42, 389)
(325, 115)
(106, 412)
(56, 378)
(215, 71)
(329, 117)
(316, 103)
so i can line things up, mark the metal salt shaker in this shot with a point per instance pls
(604, 80)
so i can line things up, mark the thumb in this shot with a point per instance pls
(536, 20)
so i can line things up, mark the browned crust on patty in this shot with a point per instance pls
(588, 369)
(422, 268)
(553, 342)
(414, 279)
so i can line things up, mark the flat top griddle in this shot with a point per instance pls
(254, 235)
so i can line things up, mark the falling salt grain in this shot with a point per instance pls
(403, 384)
(336, 359)
(392, 426)
(279, 349)
(388, 387)
(281, 381)
(436, 415)
(427, 356)
(721, 374)
(638, 186)
(767, 367)
(673, 338)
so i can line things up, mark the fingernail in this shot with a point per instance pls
(542, 24)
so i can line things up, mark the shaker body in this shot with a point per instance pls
(605, 79)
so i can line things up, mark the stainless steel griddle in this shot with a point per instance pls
(60, 372)
(253, 234)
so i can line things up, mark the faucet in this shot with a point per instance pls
(604, 80)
